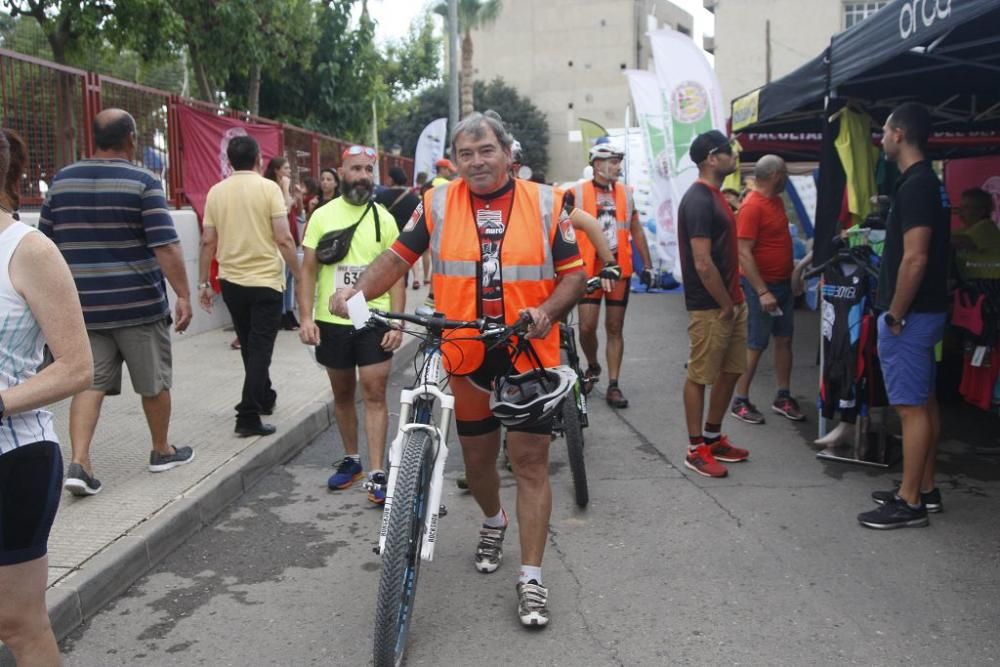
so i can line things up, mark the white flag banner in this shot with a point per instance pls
(649, 177)
(691, 104)
(430, 148)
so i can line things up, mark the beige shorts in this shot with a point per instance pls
(145, 348)
(716, 346)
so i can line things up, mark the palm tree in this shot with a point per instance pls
(472, 15)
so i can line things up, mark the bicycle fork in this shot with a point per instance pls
(439, 440)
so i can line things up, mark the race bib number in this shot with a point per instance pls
(347, 275)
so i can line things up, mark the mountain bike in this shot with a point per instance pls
(572, 418)
(417, 455)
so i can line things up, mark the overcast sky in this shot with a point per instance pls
(393, 17)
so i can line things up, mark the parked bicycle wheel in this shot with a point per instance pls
(397, 587)
(573, 432)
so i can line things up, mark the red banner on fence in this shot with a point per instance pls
(205, 137)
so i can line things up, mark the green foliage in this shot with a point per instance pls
(472, 14)
(522, 118)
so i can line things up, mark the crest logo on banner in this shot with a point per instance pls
(226, 169)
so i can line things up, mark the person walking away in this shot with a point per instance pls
(246, 231)
(109, 219)
(40, 306)
(913, 295)
(717, 329)
(611, 203)
(476, 224)
(766, 264)
(352, 356)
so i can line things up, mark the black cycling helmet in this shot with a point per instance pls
(530, 398)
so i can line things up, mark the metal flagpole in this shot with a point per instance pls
(453, 55)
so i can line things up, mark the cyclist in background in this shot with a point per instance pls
(501, 247)
(610, 202)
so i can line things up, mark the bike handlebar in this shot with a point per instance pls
(488, 331)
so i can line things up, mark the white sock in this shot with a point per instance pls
(498, 521)
(529, 572)
(372, 473)
(711, 436)
(355, 457)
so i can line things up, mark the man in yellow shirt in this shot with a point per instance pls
(350, 355)
(246, 231)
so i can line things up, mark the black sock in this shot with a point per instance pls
(612, 384)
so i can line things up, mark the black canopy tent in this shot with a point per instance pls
(942, 53)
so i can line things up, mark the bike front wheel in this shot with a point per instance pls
(397, 587)
(573, 431)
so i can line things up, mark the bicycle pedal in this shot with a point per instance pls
(442, 510)
(375, 550)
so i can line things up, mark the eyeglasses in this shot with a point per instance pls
(358, 150)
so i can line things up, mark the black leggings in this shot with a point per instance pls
(30, 484)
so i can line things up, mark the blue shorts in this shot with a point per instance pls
(908, 363)
(761, 325)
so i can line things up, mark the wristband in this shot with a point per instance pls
(763, 292)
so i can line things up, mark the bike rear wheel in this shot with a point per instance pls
(573, 431)
(397, 587)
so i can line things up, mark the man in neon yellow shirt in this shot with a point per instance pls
(347, 354)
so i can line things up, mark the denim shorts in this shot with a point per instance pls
(907, 359)
(761, 325)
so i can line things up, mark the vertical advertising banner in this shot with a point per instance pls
(430, 148)
(661, 231)
(691, 104)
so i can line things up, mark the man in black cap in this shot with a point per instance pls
(706, 234)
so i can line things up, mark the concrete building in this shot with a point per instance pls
(757, 41)
(568, 58)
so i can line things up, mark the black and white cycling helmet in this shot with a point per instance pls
(530, 398)
(605, 151)
(516, 152)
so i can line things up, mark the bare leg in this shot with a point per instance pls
(373, 381)
(918, 431)
(743, 384)
(343, 383)
(694, 406)
(529, 454)
(84, 410)
(930, 463)
(588, 314)
(480, 454)
(24, 619)
(157, 409)
(783, 361)
(614, 322)
(722, 395)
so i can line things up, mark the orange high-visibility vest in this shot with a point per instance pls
(526, 265)
(586, 199)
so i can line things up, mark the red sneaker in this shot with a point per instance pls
(723, 450)
(702, 462)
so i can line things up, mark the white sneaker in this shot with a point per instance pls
(533, 604)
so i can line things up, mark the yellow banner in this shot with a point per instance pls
(745, 110)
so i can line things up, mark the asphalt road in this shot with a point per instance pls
(766, 567)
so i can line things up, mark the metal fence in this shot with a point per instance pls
(53, 107)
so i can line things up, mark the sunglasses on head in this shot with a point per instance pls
(358, 150)
(726, 148)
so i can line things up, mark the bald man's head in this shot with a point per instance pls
(770, 174)
(113, 129)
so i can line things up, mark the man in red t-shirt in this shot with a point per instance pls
(765, 244)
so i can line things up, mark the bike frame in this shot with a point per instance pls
(428, 387)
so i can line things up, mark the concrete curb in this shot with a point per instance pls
(81, 594)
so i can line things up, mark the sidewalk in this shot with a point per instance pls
(101, 544)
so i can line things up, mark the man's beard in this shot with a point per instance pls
(357, 192)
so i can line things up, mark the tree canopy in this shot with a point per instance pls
(523, 119)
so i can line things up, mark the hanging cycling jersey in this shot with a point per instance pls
(845, 299)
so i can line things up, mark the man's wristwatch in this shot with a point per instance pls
(205, 285)
(891, 321)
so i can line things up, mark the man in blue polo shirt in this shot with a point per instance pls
(109, 218)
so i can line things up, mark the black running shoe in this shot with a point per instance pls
(896, 513)
(931, 499)
(79, 483)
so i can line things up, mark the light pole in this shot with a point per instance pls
(453, 56)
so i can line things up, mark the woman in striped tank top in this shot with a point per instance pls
(38, 305)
